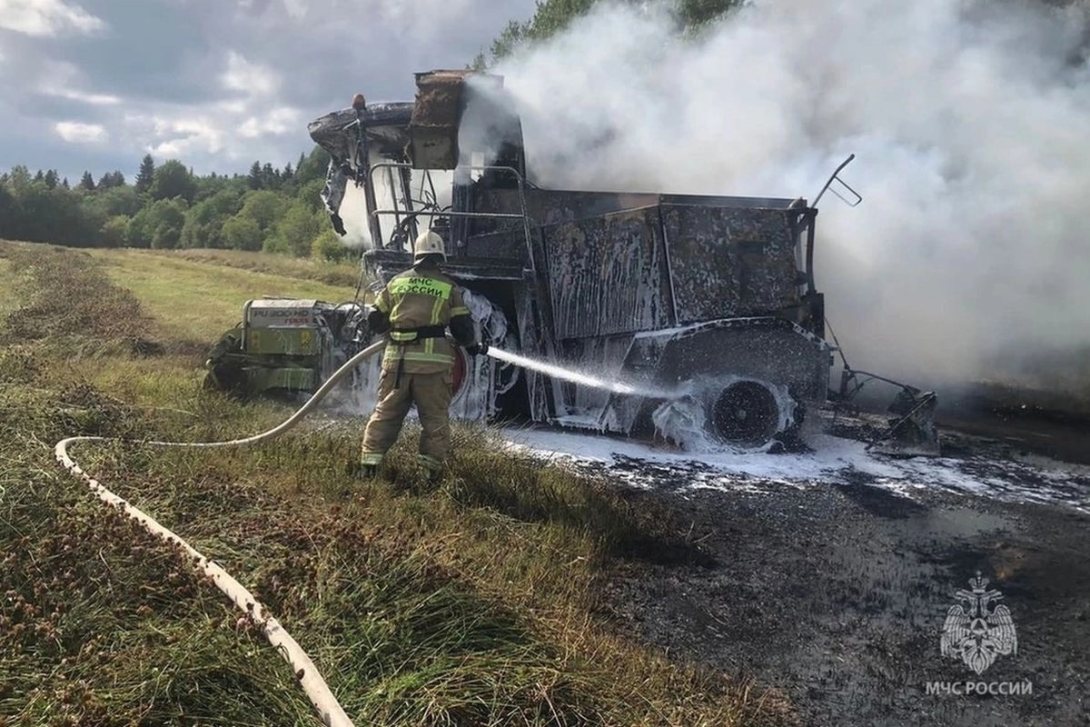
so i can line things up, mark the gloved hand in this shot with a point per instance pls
(477, 349)
(377, 321)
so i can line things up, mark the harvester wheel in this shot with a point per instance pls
(746, 412)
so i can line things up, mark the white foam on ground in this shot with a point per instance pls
(835, 460)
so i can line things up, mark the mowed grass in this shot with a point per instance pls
(477, 600)
(8, 281)
(198, 299)
(337, 274)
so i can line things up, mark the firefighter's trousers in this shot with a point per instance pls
(431, 395)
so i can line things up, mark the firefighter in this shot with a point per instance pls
(414, 310)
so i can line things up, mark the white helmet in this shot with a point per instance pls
(428, 243)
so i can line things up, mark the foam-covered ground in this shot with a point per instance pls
(971, 466)
(829, 573)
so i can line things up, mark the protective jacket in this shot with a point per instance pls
(416, 307)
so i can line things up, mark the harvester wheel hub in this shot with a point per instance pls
(746, 412)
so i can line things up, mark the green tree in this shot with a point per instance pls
(329, 247)
(313, 166)
(694, 13)
(51, 179)
(165, 220)
(255, 179)
(114, 231)
(264, 207)
(171, 180)
(510, 38)
(550, 17)
(122, 200)
(138, 233)
(213, 184)
(242, 233)
(10, 214)
(111, 179)
(294, 232)
(310, 194)
(87, 182)
(52, 215)
(204, 221)
(19, 179)
(146, 175)
(479, 62)
(270, 179)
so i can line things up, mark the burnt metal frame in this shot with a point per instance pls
(374, 213)
(858, 198)
(363, 157)
(805, 222)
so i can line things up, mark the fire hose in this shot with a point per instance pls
(306, 672)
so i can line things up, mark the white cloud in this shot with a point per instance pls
(252, 79)
(297, 9)
(226, 128)
(44, 18)
(183, 135)
(62, 79)
(95, 99)
(278, 121)
(76, 132)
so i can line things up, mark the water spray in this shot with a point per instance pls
(577, 377)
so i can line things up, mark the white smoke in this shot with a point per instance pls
(970, 119)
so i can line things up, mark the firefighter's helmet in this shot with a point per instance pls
(428, 243)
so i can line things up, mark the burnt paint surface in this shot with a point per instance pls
(607, 274)
(729, 262)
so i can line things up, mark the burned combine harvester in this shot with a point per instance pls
(710, 296)
(705, 307)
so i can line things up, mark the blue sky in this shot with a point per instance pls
(96, 84)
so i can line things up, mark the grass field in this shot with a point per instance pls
(196, 298)
(474, 601)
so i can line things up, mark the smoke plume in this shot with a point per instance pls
(969, 258)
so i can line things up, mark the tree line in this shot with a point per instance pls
(168, 206)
